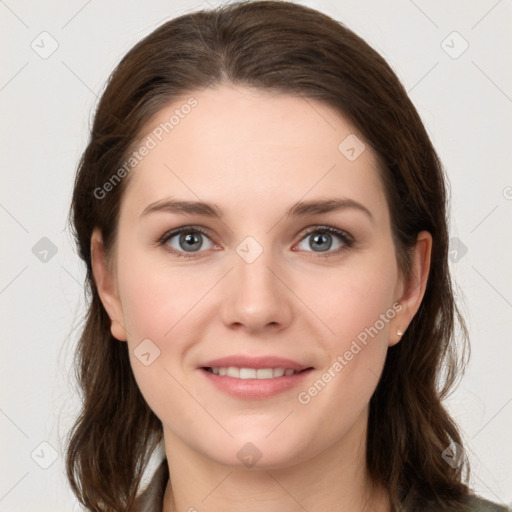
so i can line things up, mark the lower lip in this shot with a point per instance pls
(255, 389)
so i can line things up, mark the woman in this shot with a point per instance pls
(262, 216)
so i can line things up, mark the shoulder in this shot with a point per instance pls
(471, 503)
(476, 504)
(152, 497)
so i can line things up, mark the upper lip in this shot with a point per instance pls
(244, 361)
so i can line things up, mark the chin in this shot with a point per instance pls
(259, 453)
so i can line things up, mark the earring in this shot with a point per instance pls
(400, 333)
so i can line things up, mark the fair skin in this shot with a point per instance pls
(255, 155)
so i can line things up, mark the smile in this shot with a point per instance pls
(252, 373)
(254, 383)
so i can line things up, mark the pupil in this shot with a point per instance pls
(321, 238)
(191, 241)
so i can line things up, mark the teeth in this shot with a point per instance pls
(264, 373)
(279, 372)
(246, 373)
(233, 372)
(252, 373)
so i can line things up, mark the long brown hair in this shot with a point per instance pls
(290, 49)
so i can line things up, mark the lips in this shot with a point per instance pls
(236, 376)
(252, 373)
(244, 361)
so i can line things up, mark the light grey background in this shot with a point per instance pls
(46, 105)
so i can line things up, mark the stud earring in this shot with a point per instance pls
(400, 333)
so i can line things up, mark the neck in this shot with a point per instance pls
(335, 479)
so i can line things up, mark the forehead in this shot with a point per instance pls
(239, 146)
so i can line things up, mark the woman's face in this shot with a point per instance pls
(269, 276)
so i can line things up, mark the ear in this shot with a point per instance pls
(104, 277)
(410, 293)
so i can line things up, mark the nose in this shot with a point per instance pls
(255, 295)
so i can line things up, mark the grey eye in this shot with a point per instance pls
(188, 241)
(320, 241)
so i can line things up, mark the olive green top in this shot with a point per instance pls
(151, 499)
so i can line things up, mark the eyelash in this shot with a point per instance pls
(346, 238)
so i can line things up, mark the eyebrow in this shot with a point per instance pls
(299, 209)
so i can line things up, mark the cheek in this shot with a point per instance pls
(351, 299)
(156, 297)
(156, 306)
(161, 304)
(357, 306)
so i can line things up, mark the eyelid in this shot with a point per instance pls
(329, 229)
(176, 231)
